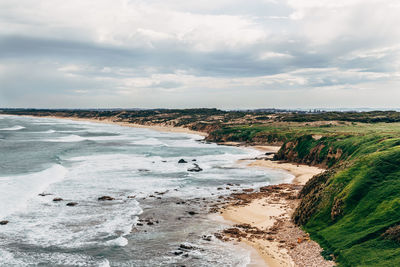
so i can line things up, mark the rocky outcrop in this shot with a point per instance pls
(105, 198)
(196, 168)
(392, 233)
(305, 151)
(311, 195)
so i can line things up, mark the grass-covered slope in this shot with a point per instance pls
(355, 206)
(349, 208)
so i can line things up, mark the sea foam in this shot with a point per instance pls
(15, 191)
(14, 128)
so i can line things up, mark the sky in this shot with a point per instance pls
(180, 54)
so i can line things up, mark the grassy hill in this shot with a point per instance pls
(353, 209)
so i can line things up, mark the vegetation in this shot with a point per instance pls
(352, 209)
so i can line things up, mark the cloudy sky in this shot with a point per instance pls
(219, 53)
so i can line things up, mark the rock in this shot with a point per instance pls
(177, 253)
(143, 170)
(182, 161)
(103, 198)
(44, 194)
(186, 246)
(131, 197)
(196, 168)
(248, 190)
(57, 199)
(139, 224)
(207, 237)
(150, 223)
(4, 222)
(192, 213)
(194, 159)
(71, 204)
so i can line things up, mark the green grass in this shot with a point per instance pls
(363, 193)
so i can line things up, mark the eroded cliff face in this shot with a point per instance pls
(311, 195)
(320, 154)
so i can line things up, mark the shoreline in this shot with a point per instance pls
(159, 128)
(262, 212)
(262, 219)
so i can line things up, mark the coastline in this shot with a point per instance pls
(159, 128)
(262, 219)
(262, 212)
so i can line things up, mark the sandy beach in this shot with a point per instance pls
(160, 128)
(262, 218)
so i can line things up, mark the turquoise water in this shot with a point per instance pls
(81, 161)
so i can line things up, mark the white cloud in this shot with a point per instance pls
(135, 48)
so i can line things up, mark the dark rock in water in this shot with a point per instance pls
(192, 212)
(103, 198)
(139, 224)
(44, 194)
(182, 161)
(194, 159)
(71, 204)
(186, 246)
(270, 153)
(4, 222)
(177, 253)
(207, 237)
(143, 170)
(196, 168)
(161, 193)
(57, 199)
(150, 223)
(131, 197)
(163, 161)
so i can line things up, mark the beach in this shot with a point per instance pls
(266, 211)
(253, 211)
(262, 219)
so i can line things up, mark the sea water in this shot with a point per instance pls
(82, 161)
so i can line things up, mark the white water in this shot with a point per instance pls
(16, 191)
(14, 128)
(80, 162)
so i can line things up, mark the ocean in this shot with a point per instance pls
(159, 215)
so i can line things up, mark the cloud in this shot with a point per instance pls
(126, 52)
